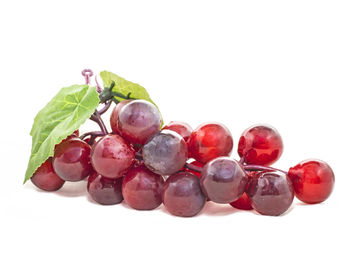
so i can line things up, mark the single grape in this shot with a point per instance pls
(182, 128)
(182, 195)
(45, 177)
(195, 163)
(210, 141)
(138, 121)
(115, 115)
(165, 153)
(242, 203)
(260, 145)
(313, 181)
(71, 160)
(223, 180)
(270, 193)
(111, 156)
(105, 191)
(74, 135)
(142, 189)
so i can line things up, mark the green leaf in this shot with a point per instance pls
(124, 86)
(64, 114)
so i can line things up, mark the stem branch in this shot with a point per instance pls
(262, 168)
(105, 108)
(193, 167)
(96, 117)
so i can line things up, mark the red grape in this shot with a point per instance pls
(105, 191)
(182, 128)
(45, 177)
(165, 153)
(138, 121)
(71, 160)
(260, 145)
(270, 193)
(242, 203)
(313, 181)
(142, 189)
(210, 141)
(182, 195)
(115, 115)
(223, 180)
(111, 156)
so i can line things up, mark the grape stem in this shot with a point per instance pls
(262, 168)
(246, 168)
(96, 117)
(193, 167)
(93, 133)
(105, 108)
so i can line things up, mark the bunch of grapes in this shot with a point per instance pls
(147, 165)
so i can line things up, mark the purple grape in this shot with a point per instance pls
(271, 193)
(223, 180)
(182, 195)
(104, 190)
(165, 153)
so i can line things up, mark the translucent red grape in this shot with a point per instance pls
(209, 141)
(313, 181)
(261, 145)
(182, 128)
(242, 203)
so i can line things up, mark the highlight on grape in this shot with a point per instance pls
(146, 164)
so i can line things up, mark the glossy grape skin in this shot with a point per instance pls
(260, 145)
(45, 177)
(74, 135)
(138, 121)
(165, 153)
(242, 203)
(142, 189)
(271, 193)
(209, 141)
(182, 128)
(115, 115)
(71, 160)
(182, 195)
(111, 156)
(313, 181)
(105, 191)
(195, 163)
(223, 180)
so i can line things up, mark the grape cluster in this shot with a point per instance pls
(146, 165)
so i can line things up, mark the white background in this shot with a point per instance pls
(285, 63)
